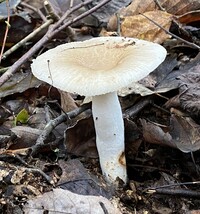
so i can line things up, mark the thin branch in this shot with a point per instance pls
(50, 11)
(3, 70)
(28, 168)
(71, 3)
(69, 31)
(176, 192)
(35, 10)
(173, 185)
(53, 123)
(83, 15)
(39, 171)
(69, 12)
(7, 29)
(27, 38)
(135, 109)
(157, 2)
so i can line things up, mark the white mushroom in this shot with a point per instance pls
(99, 67)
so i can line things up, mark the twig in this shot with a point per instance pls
(69, 12)
(176, 184)
(135, 109)
(176, 192)
(53, 123)
(69, 30)
(49, 35)
(7, 28)
(39, 171)
(28, 168)
(71, 3)
(103, 207)
(35, 10)
(50, 11)
(159, 5)
(27, 38)
(2, 70)
(118, 24)
(32, 169)
(185, 33)
(83, 15)
(175, 36)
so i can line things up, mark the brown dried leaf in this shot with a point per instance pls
(18, 83)
(67, 102)
(140, 27)
(193, 16)
(26, 137)
(179, 7)
(174, 7)
(133, 138)
(138, 6)
(22, 152)
(153, 133)
(80, 139)
(185, 133)
(76, 179)
(189, 91)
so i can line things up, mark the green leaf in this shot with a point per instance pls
(21, 117)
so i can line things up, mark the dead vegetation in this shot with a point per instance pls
(48, 156)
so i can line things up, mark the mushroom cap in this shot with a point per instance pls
(99, 65)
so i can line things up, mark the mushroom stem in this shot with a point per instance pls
(109, 126)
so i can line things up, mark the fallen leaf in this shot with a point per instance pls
(76, 179)
(178, 7)
(153, 133)
(135, 88)
(26, 137)
(171, 78)
(189, 91)
(21, 117)
(192, 16)
(80, 139)
(133, 137)
(134, 25)
(104, 13)
(18, 83)
(175, 7)
(140, 27)
(67, 102)
(185, 133)
(182, 133)
(64, 201)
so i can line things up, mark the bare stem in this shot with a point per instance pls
(7, 28)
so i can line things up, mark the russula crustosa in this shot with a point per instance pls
(99, 67)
